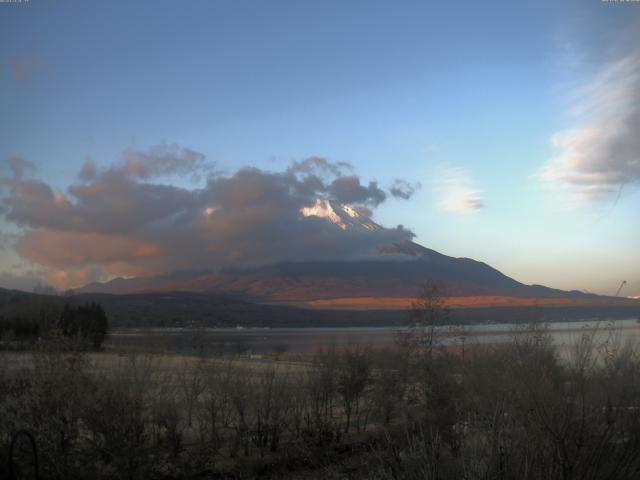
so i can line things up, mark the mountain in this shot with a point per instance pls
(390, 278)
(344, 216)
(302, 282)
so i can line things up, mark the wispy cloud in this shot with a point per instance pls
(600, 153)
(458, 193)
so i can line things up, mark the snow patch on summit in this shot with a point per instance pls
(344, 216)
(323, 209)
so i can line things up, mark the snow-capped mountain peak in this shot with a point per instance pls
(345, 216)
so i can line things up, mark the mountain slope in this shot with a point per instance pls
(308, 281)
(394, 271)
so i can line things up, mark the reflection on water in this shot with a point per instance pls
(297, 340)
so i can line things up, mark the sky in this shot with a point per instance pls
(139, 138)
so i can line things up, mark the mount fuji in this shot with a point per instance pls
(389, 279)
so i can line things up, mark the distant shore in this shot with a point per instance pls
(395, 303)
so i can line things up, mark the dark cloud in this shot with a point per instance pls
(160, 160)
(403, 189)
(23, 282)
(88, 170)
(121, 221)
(19, 166)
(319, 166)
(349, 190)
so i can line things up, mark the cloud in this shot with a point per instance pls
(348, 189)
(319, 166)
(114, 200)
(19, 166)
(7, 240)
(160, 160)
(25, 282)
(88, 171)
(24, 69)
(600, 153)
(403, 189)
(457, 192)
(125, 220)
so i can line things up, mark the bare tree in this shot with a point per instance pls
(388, 390)
(191, 383)
(429, 312)
(321, 389)
(354, 372)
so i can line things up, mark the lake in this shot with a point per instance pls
(262, 341)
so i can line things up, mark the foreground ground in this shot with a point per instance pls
(418, 411)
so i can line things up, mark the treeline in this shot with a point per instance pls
(523, 410)
(27, 319)
(183, 309)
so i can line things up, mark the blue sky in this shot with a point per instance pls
(464, 98)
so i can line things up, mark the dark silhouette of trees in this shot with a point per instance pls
(28, 319)
(354, 371)
(520, 412)
(87, 323)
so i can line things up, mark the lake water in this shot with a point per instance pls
(261, 341)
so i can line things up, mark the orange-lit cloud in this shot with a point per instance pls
(124, 220)
(80, 248)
